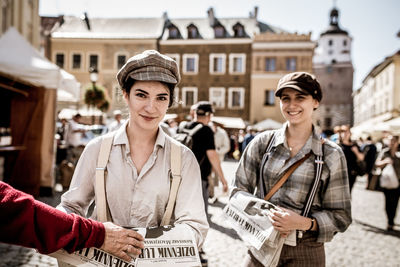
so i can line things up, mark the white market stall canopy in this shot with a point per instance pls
(230, 122)
(19, 59)
(267, 124)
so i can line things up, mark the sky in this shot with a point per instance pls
(373, 24)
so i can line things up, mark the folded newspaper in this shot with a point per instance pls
(248, 216)
(163, 246)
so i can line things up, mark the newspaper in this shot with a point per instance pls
(248, 216)
(163, 246)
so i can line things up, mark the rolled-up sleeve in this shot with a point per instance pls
(189, 207)
(335, 213)
(247, 172)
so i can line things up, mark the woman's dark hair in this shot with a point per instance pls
(171, 87)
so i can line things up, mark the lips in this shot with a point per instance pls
(293, 113)
(148, 118)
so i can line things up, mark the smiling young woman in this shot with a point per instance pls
(300, 94)
(139, 164)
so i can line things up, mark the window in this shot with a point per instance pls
(176, 100)
(291, 64)
(217, 97)
(76, 61)
(173, 32)
(121, 60)
(344, 42)
(270, 64)
(94, 61)
(269, 98)
(190, 63)
(217, 63)
(237, 63)
(219, 31)
(118, 96)
(236, 98)
(238, 30)
(189, 96)
(60, 60)
(192, 32)
(330, 42)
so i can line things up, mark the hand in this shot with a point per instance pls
(224, 185)
(285, 220)
(120, 241)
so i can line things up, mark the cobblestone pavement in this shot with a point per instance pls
(365, 243)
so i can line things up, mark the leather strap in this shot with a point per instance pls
(100, 187)
(176, 180)
(285, 177)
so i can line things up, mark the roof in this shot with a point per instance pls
(379, 67)
(124, 28)
(206, 31)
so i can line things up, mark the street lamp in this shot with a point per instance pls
(94, 76)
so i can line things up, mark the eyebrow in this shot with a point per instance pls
(145, 92)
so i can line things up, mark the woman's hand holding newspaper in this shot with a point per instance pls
(285, 221)
(121, 242)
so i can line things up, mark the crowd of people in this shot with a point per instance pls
(143, 147)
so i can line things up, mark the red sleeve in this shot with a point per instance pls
(27, 222)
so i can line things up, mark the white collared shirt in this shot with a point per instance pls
(139, 200)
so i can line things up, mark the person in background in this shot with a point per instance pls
(74, 139)
(117, 122)
(300, 94)
(30, 223)
(370, 153)
(352, 152)
(139, 163)
(390, 155)
(250, 134)
(222, 146)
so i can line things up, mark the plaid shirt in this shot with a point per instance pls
(331, 207)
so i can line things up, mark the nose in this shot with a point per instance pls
(150, 105)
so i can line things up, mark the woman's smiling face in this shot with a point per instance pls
(297, 107)
(148, 103)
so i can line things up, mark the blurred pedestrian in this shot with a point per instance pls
(250, 134)
(31, 223)
(370, 153)
(300, 94)
(353, 154)
(139, 163)
(222, 146)
(391, 155)
(74, 139)
(117, 122)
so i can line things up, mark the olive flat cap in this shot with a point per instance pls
(149, 66)
(301, 81)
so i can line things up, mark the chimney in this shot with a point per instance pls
(211, 17)
(255, 14)
(85, 18)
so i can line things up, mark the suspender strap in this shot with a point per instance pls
(319, 162)
(261, 184)
(176, 180)
(285, 177)
(100, 192)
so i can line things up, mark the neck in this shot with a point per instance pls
(298, 134)
(140, 136)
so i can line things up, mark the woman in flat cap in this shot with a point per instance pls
(328, 210)
(139, 164)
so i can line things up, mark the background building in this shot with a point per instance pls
(377, 102)
(333, 68)
(274, 55)
(22, 15)
(104, 44)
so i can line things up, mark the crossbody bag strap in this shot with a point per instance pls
(285, 177)
(176, 160)
(100, 188)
